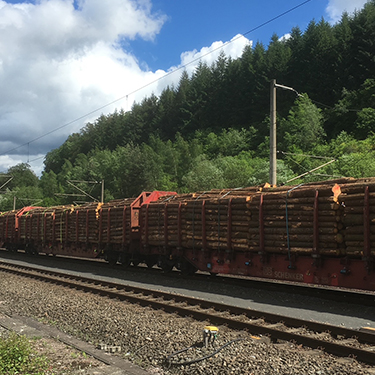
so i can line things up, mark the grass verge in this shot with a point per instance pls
(17, 356)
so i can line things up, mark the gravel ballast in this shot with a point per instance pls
(147, 337)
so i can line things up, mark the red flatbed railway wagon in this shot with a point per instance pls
(119, 229)
(322, 233)
(53, 230)
(9, 228)
(179, 227)
(109, 230)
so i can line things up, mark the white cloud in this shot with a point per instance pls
(233, 48)
(335, 8)
(35, 162)
(285, 37)
(59, 62)
(190, 59)
(7, 161)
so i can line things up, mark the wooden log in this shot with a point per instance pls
(295, 230)
(357, 250)
(300, 207)
(356, 219)
(352, 210)
(216, 201)
(324, 188)
(329, 238)
(357, 237)
(356, 199)
(355, 243)
(301, 244)
(355, 229)
(294, 222)
(277, 199)
(222, 213)
(296, 213)
(354, 251)
(240, 225)
(358, 187)
(291, 225)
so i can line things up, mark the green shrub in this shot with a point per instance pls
(18, 357)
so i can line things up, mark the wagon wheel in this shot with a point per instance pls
(167, 266)
(150, 263)
(29, 249)
(125, 261)
(111, 258)
(125, 264)
(188, 269)
(135, 261)
(13, 249)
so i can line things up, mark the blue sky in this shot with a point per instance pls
(63, 63)
(195, 24)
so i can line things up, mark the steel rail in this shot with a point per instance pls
(169, 303)
(204, 304)
(365, 298)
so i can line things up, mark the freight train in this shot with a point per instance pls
(316, 233)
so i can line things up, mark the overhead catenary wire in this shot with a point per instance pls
(305, 155)
(156, 80)
(330, 107)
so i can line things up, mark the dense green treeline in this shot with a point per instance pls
(212, 129)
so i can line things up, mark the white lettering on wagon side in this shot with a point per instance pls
(288, 275)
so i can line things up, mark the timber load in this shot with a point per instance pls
(115, 222)
(327, 218)
(91, 223)
(322, 233)
(7, 226)
(203, 220)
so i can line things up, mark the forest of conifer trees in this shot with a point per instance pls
(212, 129)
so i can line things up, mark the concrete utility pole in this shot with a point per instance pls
(273, 180)
(273, 150)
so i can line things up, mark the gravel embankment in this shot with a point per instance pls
(147, 337)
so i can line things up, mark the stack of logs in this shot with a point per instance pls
(82, 223)
(115, 222)
(290, 217)
(46, 224)
(91, 223)
(206, 220)
(354, 217)
(202, 218)
(60, 224)
(284, 216)
(334, 218)
(7, 225)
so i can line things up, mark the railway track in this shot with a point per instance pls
(357, 297)
(365, 298)
(333, 339)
